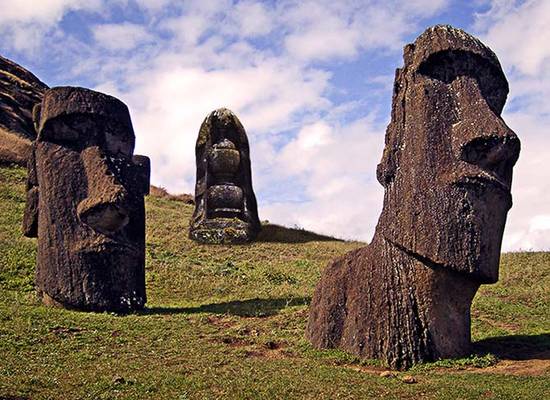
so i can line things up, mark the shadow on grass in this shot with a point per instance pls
(242, 308)
(516, 347)
(282, 234)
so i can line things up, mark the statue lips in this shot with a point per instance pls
(491, 169)
(109, 245)
(487, 180)
(487, 183)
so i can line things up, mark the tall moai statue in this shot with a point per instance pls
(225, 205)
(447, 171)
(85, 203)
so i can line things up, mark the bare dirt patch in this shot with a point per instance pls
(372, 369)
(271, 350)
(539, 365)
(233, 341)
(220, 321)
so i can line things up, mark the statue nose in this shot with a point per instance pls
(104, 209)
(491, 151)
(484, 140)
(102, 216)
(480, 137)
(495, 153)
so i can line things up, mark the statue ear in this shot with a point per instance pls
(143, 172)
(30, 217)
(386, 170)
(36, 110)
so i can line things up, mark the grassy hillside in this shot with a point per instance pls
(228, 322)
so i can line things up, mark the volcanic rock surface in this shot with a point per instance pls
(85, 203)
(447, 172)
(225, 205)
(20, 90)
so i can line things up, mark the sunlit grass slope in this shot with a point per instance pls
(228, 322)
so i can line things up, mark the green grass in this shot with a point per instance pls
(228, 322)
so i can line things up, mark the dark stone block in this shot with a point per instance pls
(85, 203)
(225, 205)
(447, 172)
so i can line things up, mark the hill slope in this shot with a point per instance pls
(228, 322)
(20, 90)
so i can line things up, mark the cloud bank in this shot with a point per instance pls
(310, 80)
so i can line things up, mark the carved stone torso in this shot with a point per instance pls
(225, 198)
(225, 205)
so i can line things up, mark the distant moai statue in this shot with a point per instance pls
(85, 203)
(447, 171)
(225, 205)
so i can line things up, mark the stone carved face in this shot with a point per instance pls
(447, 201)
(85, 202)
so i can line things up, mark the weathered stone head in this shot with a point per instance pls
(447, 171)
(225, 205)
(85, 202)
(447, 164)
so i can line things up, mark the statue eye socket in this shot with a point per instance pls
(118, 140)
(61, 132)
(79, 131)
(75, 131)
(446, 66)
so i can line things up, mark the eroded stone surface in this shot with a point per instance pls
(85, 203)
(447, 172)
(225, 205)
(20, 90)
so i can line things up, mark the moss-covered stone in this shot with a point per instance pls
(225, 205)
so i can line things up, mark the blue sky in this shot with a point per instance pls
(310, 80)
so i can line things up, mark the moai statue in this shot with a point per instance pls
(85, 203)
(446, 170)
(225, 205)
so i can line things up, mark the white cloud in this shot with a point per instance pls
(252, 18)
(520, 33)
(540, 223)
(349, 213)
(421, 7)
(337, 165)
(531, 186)
(187, 28)
(324, 29)
(24, 24)
(171, 102)
(334, 37)
(153, 6)
(124, 36)
(25, 38)
(44, 11)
